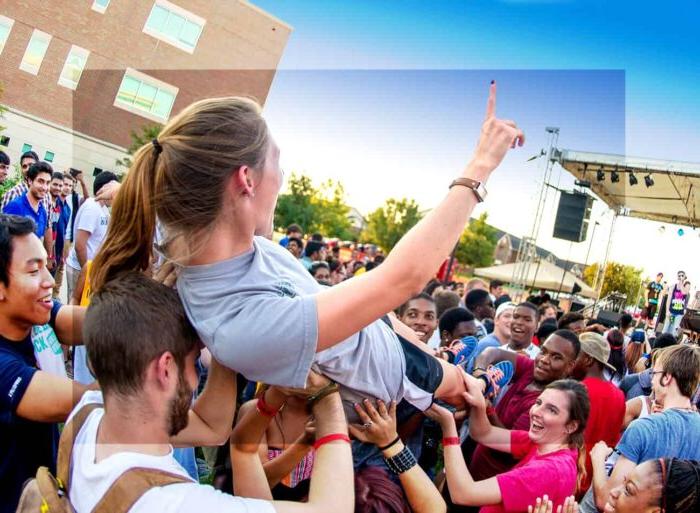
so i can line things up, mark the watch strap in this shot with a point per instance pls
(474, 185)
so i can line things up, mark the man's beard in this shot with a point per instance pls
(179, 406)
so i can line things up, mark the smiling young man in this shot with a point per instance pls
(34, 395)
(555, 361)
(420, 314)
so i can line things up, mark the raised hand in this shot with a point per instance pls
(497, 136)
(542, 505)
(570, 506)
(600, 451)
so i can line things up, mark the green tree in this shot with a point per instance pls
(138, 139)
(387, 224)
(477, 243)
(621, 278)
(316, 209)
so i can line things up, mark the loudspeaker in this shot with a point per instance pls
(576, 306)
(572, 218)
(608, 318)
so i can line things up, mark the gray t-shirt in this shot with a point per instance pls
(257, 315)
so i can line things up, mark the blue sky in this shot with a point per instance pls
(387, 97)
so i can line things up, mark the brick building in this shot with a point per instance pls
(78, 76)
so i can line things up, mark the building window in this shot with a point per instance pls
(4, 140)
(145, 96)
(25, 148)
(48, 156)
(174, 25)
(34, 54)
(5, 29)
(100, 5)
(96, 171)
(73, 67)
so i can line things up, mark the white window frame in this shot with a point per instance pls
(73, 50)
(99, 8)
(182, 12)
(150, 81)
(29, 68)
(7, 22)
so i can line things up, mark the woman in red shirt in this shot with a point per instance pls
(551, 453)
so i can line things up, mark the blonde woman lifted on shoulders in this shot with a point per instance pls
(211, 180)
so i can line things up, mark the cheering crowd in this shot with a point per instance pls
(200, 366)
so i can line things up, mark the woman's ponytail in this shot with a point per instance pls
(128, 245)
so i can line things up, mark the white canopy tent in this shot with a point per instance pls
(541, 275)
(671, 196)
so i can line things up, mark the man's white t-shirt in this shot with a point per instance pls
(94, 218)
(90, 481)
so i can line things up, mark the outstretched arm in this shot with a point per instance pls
(463, 489)
(211, 416)
(353, 304)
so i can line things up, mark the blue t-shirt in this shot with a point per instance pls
(673, 433)
(25, 445)
(20, 206)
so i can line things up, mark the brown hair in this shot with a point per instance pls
(579, 409)
(683, 363)
(193, 157)
(633, 352)
(130, 322)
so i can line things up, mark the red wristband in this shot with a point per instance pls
(331, 438)
(490, 411)
(451, 440)
(264, 409)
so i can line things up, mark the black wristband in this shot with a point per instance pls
(401, 462)
(390, 444)
(485, 379)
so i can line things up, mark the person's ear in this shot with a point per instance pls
(572, 426)
(165, 369)
(242, 182)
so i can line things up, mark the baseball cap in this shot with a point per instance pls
(638, 336)
(595, 346)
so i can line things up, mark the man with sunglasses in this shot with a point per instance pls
(676, 304)
(672, 433)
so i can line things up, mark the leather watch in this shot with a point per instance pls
(477, 187)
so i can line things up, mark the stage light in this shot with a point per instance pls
(614, 177)
(648, 181)
(633, 179)
(600, 176)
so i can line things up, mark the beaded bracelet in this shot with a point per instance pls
(401, 462)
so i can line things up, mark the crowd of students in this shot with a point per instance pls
(323, 385)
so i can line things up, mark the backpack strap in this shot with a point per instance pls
(131, 485)
(65, 445)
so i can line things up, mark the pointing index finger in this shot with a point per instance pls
(491, 103)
